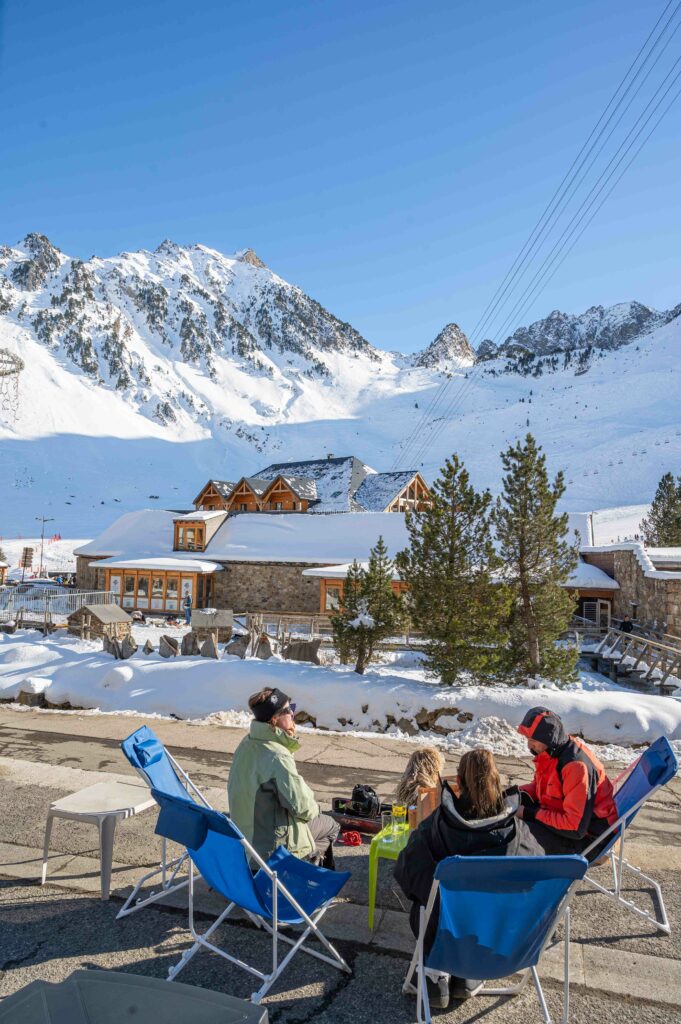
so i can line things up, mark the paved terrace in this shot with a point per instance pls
(622, 969)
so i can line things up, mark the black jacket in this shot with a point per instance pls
(447, 832)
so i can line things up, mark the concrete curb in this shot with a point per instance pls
(593, 968)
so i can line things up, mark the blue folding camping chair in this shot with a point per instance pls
(160, 771)
(495, 917)
(652, 770)
(285, 890)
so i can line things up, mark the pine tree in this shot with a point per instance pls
(449, 568)
(662, 526)
(348, 611)
(371, 610)
(538, 560)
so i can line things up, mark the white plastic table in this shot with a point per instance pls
(102, 805)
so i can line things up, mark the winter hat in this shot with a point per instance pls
(265, 710)
(545, 726)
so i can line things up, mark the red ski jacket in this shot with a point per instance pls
(571, 792)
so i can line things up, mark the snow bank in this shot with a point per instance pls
(395, 697)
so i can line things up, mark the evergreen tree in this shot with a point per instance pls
(538, 560)
(3, 556)
(662, 526)
(449, 568)
(371, 609)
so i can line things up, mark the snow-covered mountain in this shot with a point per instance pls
(598, 327)
(149, 372)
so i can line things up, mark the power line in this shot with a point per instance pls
(541, 228)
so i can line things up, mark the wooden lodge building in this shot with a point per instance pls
(245, 543)
(281, 541)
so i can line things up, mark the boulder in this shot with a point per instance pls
(238, 646)
(128, 647)
(190, 645)
(148, 648)
(168, 647)
(209, 649)
(265, 647)
(406, 725)
(302, 650)
(115, 649)
(106, 644)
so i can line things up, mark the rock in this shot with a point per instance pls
(209, 649)
(302, 650)
(302, 718)
(465, 716)
(128, 647)
(264, 648)
(365, 708)
(115, 649)
(8, 627)
(148, 648)
(406, 725)
(106, 644)
(238, 646)
(31, 700)
(168, 647)
(190, 645)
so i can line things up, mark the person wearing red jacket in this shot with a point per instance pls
(570, 801)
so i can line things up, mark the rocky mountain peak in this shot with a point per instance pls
(251, 256)
(44, 259)
(450, 348)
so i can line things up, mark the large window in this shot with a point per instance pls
(142, 591)
(333, 596)
(157, 592)
(189, 538)
(172, 586)
(128, 591)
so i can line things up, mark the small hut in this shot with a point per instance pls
(95, 621)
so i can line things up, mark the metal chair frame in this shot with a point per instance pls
(167, 869)
(417, 964)
(278, 887)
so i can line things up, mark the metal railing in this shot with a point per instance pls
(44, 604)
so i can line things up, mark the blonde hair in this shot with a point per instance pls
(423, 770)
(481, 783)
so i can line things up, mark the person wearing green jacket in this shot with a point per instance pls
(268, 800)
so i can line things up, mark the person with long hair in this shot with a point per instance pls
(475, 819)
(423, 771)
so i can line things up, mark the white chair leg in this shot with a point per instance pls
(46, 845)
(107, 828)
(540, 996)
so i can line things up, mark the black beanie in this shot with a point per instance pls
(265, 710)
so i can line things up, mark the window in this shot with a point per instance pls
(190, 543)
(294, 505)
(332, 599)
(172, 586)
(189, 538)
(180, 538)
(278, 506)
(142, 591)
(128, 591)
(157, 592)
(243, 507)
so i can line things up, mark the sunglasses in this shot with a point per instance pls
(289, 709)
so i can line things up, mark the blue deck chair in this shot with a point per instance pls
(496, 916)
(284, 891)
(652, 770)
(160, 771)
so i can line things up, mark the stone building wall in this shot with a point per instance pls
(270, 586)
(656, 600)
(604, 560)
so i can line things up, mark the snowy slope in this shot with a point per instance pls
(148, 373)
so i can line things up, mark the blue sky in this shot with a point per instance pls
(388, 157)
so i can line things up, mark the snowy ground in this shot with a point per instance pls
(58, 555)
(67, 669)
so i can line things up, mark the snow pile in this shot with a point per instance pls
(394, 698)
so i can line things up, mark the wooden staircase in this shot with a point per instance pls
(635, 659)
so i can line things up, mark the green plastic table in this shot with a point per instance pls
(390, 851)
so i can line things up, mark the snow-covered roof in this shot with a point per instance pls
(134, 535)
(669, 556)
(304, 486)
(223, 487)
(642, 557)
(378, 490)
(257, 484)
(301, 537)
(589, 577)
(336, 479)
(339, 572)
(177, 564)
(199, 517)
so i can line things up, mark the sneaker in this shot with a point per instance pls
(438, 992)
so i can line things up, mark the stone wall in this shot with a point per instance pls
(655, 600)
(269, 586)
